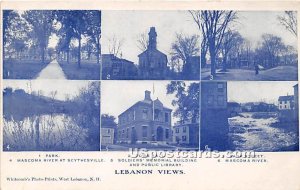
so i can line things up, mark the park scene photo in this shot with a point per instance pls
(51, 115)
(248, 45)
(160, 115)
(51, 44)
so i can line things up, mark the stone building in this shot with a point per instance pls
(152, 62)
(214, 126)
(186, 133)
(146, 121)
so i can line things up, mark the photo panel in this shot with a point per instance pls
(150, 45)
(51, 44)
(51, 115)
(155, 115)
(249, 116)
(248, 45)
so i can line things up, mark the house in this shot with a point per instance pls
(186, 133)
(152, 62)
(233, 109)
(107, 135)
(214, 126)
(286, 103)
(147, 121)
(117, 68)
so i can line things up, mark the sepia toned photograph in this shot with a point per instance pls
(248, 45)
(150, 45)
(51, 44)
(51, 115)
(156, 115)
(251, 118)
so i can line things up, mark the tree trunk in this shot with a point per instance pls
(37, 133)
(98, 51)
(43, 55)
(203, 59)
(68, 56)
(212, 52)
(79, 51)
(224, 63)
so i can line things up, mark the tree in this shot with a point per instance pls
(41, 25)
(15, 33)
(270, 49)
(108, 120)
(94, 30)
(184, 47)
(115, 46)
(143, 41)
(231, 39)
(289, 21)
(213, 25)
(187, 100)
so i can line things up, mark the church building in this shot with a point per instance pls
(152, 62)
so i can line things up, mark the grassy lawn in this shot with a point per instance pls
(22, 69)
(89, 70)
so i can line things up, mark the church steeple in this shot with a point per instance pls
(152, 38)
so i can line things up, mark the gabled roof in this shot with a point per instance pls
(285, 98)
(153, 51)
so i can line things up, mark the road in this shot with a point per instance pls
(52, 71)
(280, 73)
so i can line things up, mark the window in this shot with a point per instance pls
(210, 100)
(145, 131)
(108, 131)
(177, 130)
(183, 138)
(220, 100)
(145, 114)
(133, 114)
(127, 132)
(167, 133)
(220, 87)
(184, 129)
(156, 114)
(166, 117)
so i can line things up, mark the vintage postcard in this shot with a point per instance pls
(149, 95)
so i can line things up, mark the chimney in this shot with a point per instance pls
(147, 95)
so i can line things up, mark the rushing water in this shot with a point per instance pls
(251, 133)
(44, 132)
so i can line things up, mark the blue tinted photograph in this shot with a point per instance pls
(51, 115)
(257, 116)
(150, 45)
(51, 44)
(160, 115)
(248, 45)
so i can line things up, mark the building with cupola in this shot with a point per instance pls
(152, 62)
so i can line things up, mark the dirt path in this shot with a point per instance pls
(52, 71)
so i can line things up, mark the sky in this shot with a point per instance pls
(242, 91)
(127, 25)
(63, 87)
(118, 96)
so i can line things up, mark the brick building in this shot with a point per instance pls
(146, 121)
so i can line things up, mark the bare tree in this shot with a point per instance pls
(289, 21)
(213, 25)
(115, 45)
(231, 40)
(185, 47)
(143, 41)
